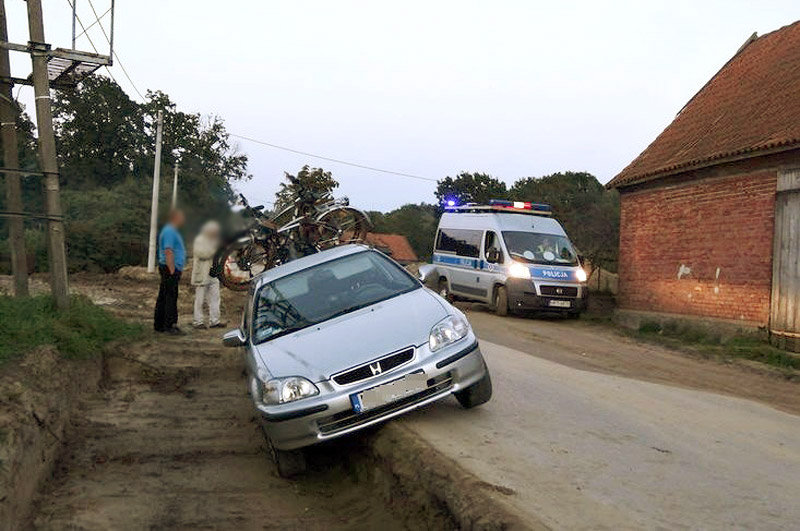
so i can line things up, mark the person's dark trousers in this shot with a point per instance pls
(166, 315)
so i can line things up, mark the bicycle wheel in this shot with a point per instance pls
(340, 226)
(242, 262)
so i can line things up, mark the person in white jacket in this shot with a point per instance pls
(206, 287)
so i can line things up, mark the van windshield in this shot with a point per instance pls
(537, 248)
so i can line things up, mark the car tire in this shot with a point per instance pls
(573, 315)
(444, 290)
(501, 301)
(476, 394)
(290, 463)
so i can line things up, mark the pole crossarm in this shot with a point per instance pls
(31, 215)
(18, 171)
(62, 53)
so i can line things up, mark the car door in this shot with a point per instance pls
(489, 272)
(463, 248)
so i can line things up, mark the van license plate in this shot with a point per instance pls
(560, 304)
(390, 392)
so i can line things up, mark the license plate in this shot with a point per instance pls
(390, 392)
(560, 304)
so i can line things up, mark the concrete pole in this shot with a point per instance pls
(59, 282)
(8, 130)
(175, 187)
(151, 251)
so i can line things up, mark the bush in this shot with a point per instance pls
(79, 332)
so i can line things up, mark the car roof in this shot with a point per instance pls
(309, 261)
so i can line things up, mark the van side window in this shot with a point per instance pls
(492, 242)
(462, 242)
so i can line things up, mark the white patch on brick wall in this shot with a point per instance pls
(683, 271)
(716, 283)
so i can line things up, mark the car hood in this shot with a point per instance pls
(319, 351)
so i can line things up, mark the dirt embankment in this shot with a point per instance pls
(37, 397)
(170, 440)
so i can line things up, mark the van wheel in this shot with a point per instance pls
(501, 301)
(290, 463)
(476, 394)
(444, 290)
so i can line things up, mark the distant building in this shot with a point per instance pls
(394, 245)
(710, 211)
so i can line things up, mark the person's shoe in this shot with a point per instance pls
(220, 324)
(175, 331)
(198, 326)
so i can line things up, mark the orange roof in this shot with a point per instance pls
(395, 245)
(751, 106)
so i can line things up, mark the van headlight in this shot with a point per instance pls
(447, 331)
(580, 274)
(518, 270)
(283, 390)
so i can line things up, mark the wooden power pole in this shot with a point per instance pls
(8, 130)
(57, 256)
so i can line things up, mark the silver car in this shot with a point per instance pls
(347, 338)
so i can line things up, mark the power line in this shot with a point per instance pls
(338, 161)
(116, 56)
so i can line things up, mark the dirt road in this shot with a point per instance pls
(583, 449)
(171, 443)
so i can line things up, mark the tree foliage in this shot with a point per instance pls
(417, 222)
(314, 179)
(470, 188)
(106, 149)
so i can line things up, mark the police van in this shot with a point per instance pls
(512, 255)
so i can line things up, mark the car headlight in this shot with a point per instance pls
(447, 331)
(283, 390)
(518, 270)
(580, 274)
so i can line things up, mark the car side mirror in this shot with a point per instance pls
(426, 272)
(234, 338)
(493, 256)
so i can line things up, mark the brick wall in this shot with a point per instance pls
(700, 248)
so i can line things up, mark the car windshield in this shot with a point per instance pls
(537, 248)
(327, 290)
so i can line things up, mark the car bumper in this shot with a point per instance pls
(330, 414)
(522, 296)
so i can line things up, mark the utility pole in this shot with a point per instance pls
(151, 252)
(175, 187)
(8, 129)
(47, 154)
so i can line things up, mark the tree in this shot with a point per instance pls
(316, 179)
(588, 212)
(470, 188)
(416, 222)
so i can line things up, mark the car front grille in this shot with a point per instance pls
(374, 368)
(559, 291)
(348, 419)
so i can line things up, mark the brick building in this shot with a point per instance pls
(394, 245)
(710, 211)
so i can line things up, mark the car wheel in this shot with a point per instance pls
(476, 394)
(501, 301)
(444, 290)
(290, 463)
(573, 315)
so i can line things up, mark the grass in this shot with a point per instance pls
(78, 333)
(698, 339)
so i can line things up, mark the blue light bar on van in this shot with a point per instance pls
(520, 205)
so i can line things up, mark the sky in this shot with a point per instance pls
(430, 88)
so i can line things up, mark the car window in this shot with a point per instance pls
(491, 241)
(463, 242)
(327, 290)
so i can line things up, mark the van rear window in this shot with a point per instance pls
(462, 242)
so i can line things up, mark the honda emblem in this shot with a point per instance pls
(375, 368)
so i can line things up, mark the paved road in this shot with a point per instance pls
(582, 449)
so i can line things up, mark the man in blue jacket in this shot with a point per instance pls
(171, 260)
